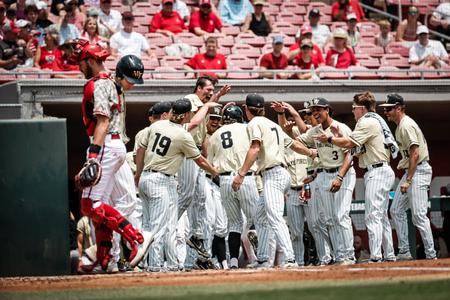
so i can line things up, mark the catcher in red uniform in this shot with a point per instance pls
(101, 107)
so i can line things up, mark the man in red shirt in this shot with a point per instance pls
(204, 21)
(294, 49)
(341, 8)
(274, 60)
(167, 21)
(210, 60)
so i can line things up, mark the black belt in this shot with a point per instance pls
(209, 176)
(330, 170)
(229, 173)
(268, 169)
(154, 171)
(310, 172)
(374, 166)
(297, 188)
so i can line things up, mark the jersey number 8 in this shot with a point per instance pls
(227, 142)
(161, 144)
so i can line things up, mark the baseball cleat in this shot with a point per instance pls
(259, 265)
(290, 264)
(197, 244)
(234, 264)
(143, 248)
(404, 256)
(346, 262)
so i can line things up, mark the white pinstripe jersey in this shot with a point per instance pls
(296, 166)
(167, 144)
(407, 134)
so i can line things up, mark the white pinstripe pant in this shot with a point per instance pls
(276, 182)
(159, 195)
(215, 213)
(378, 182)
(296, 215)
(244, 199)
(335, 209)
(416, 199)
(191, 185)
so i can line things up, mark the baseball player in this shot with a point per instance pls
(371, 140)
(101, 107)
(159, 156)
(268, 141)
(227, 149)
(321, 237)
(412, 190)
(191, 179)
(335, 181)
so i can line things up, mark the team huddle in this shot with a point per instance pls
(210, 177)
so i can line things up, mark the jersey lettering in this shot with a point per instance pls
(276, 132)
(335, 155)
(161, 144)
(227, 142)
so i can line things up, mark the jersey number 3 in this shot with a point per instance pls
(161, 144)
(227, 142)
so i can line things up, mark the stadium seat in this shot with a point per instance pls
(110, 64)
(159, 52)
(398, 47)
(150, 64)
(246, 50)
(270, 8)
(367, 37)
(286, 28)
(269, 48)
(288, 40)
(371, 49)
(324, 8)
(190, 39)
(290, 17)
(165, 73)
(241, 61)
(338, 24)
(252, 75)
(275, 2)
(359, 72)
(327, 72)
(250, 39)
(368, 61)
(173, 61)
(141, 6)
(157, 39)
(231, 30)
(142, 29)
(367, 26)
(429, 73)
(227, 41)
(395, 60)
(301, 2)
(391, 72)
(152, 10)
(147, 76)
(293, 7)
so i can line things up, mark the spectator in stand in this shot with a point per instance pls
(110, 18)
(181, 8)
(11, 15)
(210, 60)
(406, 30)
(64, 63)
(320, 32)
(94, 12)
(13, 52)
(234, 12)
(340, 55)
(276, 60)
(57, 5)
(66, 30)
(47, 54)
(441, 19)
(90, 33)
(426, 52)
(294, 50)
(167, 21)
(42, 20)
(341, 8)
(306, 60)
(204, 20)
(354, 37)
(257, 22)
(384, 38)
(127, 41)
(76, 17)
(2, 17)
(19, 7)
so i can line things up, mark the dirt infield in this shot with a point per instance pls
(426, 269)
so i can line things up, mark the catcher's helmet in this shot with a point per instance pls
(233, 113)
(131, 68)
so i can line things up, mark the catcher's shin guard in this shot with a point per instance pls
(103, 238)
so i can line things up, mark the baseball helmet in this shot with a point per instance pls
(82, 49)
(233, 113)
(131, 68)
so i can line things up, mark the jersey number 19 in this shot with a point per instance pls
(161, 144)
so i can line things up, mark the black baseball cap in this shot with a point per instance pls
(181, 106)
(254, 100)
(216, 111)
(318, 102)
(161, 107)
(393, 100)
(150, 111)
(314, 12)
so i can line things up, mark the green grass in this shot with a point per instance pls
(339, 290)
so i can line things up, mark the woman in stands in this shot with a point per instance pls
(257, 22)
(46, 55)
(306, 60)
(91, 34)
(406, 30)
(340, 55)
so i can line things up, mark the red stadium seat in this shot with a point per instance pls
(150, 64)
(246, 50)
(227, 41)
(152, 10)
(231, 30)
(142, 29)
(141, 5)
(165, 74)
(147, 76)
(429, 73)
(172, 61)
(395, 60)
(390, 72)
(338, 24)
(294, 8)
(269, 48)
(288, 40)
(275, 2)
(302, 2)
(367, 26)
(158, 51)
(399, 48)
(157, 39)
(324, 8)
(270, 8)
(241, 61)
(250, 39)
(110, 64)
(327, 72)
(286, 28)
(290, 17)
(190, 39)
(358, 72)
(368, 61)
(371, 49)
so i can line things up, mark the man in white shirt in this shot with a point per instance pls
(441, 19)
(427, 53)
(181, 8)
(109, 18)
(127, 41)
(320, 32)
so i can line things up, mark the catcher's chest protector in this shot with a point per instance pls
(87, 105)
